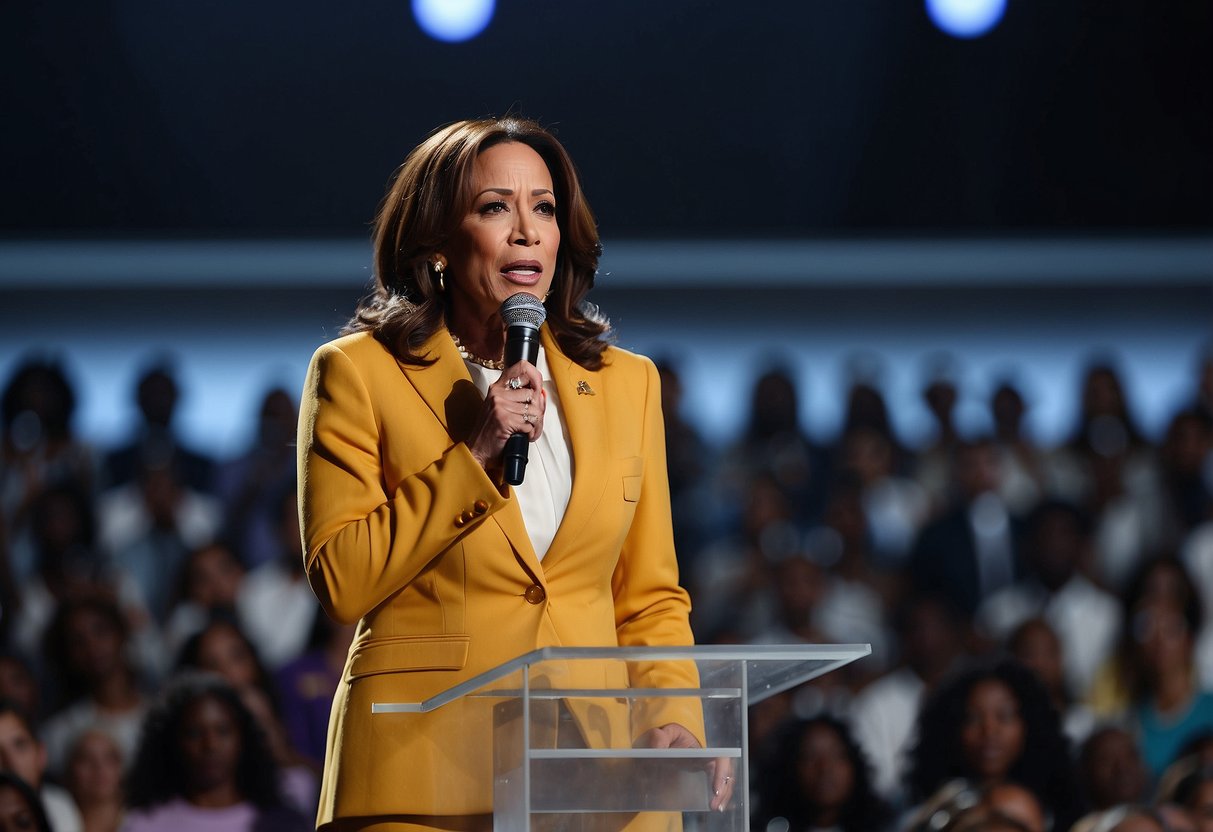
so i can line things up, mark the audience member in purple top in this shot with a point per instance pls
(222, 648)
(307, 686)
(203, 766)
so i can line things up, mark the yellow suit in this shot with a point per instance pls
(406, 534)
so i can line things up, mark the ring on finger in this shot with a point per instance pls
(515, 383)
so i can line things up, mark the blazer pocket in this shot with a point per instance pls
(390, 655)
(633, 475)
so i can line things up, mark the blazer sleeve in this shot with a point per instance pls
(361, 543)
(651, 608)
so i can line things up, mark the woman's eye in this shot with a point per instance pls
(546, 208)
(496, 207)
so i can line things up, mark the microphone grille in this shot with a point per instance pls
(522, 308)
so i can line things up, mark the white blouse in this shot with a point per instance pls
(548, 481)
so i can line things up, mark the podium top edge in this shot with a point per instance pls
(834, 654)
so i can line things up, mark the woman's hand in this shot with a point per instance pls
(720, 770)
(515, 403)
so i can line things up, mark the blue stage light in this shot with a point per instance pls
(966, 18)
(453, 20)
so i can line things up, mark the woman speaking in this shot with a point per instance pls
(409, 526)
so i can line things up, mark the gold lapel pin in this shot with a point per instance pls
(584, 389)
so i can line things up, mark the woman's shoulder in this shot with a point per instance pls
(355, 345)
(619, 361)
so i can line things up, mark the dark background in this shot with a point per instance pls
(688, 119)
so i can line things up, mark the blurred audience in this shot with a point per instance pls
(971, 551)
(1090, 563)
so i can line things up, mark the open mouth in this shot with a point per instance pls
(523, 271)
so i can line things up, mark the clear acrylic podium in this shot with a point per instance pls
(565, 755)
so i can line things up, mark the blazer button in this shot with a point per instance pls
(466, 517)
(460, 522)
(480, 506)
(534, 594)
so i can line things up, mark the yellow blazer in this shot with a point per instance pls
(405, 534)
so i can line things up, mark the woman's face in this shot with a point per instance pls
(992, 734)
(16, 815)
(825, 770)
(508, 240)
(94, 770)
(210, 744)
(222, 651)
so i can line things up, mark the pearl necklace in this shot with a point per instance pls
(475, 359)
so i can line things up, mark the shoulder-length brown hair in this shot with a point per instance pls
(428, 197)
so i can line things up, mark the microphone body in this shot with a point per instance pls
(523, 314)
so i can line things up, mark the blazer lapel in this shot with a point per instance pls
(447, 389)
(584, 413)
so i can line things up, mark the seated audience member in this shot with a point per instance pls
(935, 460)
(20, 808)
(989, 725)
(209, 582)
(818, 779)
(1110, 769)
(96, 682)
(155, 441)
(37, 450)
(223, 649)
(23, 754)
(1186, 488)
(1156, 665)
(815, 605)
(885, 712)
(150, 525)
(202, 764)
(93, 776)
(275, 603)
(1085, 618)
(894, 507)
(776, 447)
(1036, 646)
(1023, 465)
(971, 550)
(249, 485)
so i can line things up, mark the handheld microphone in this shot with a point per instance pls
(523, 314)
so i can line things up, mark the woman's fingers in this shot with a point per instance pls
(515, 403)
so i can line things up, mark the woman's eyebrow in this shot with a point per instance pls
(510, 191)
